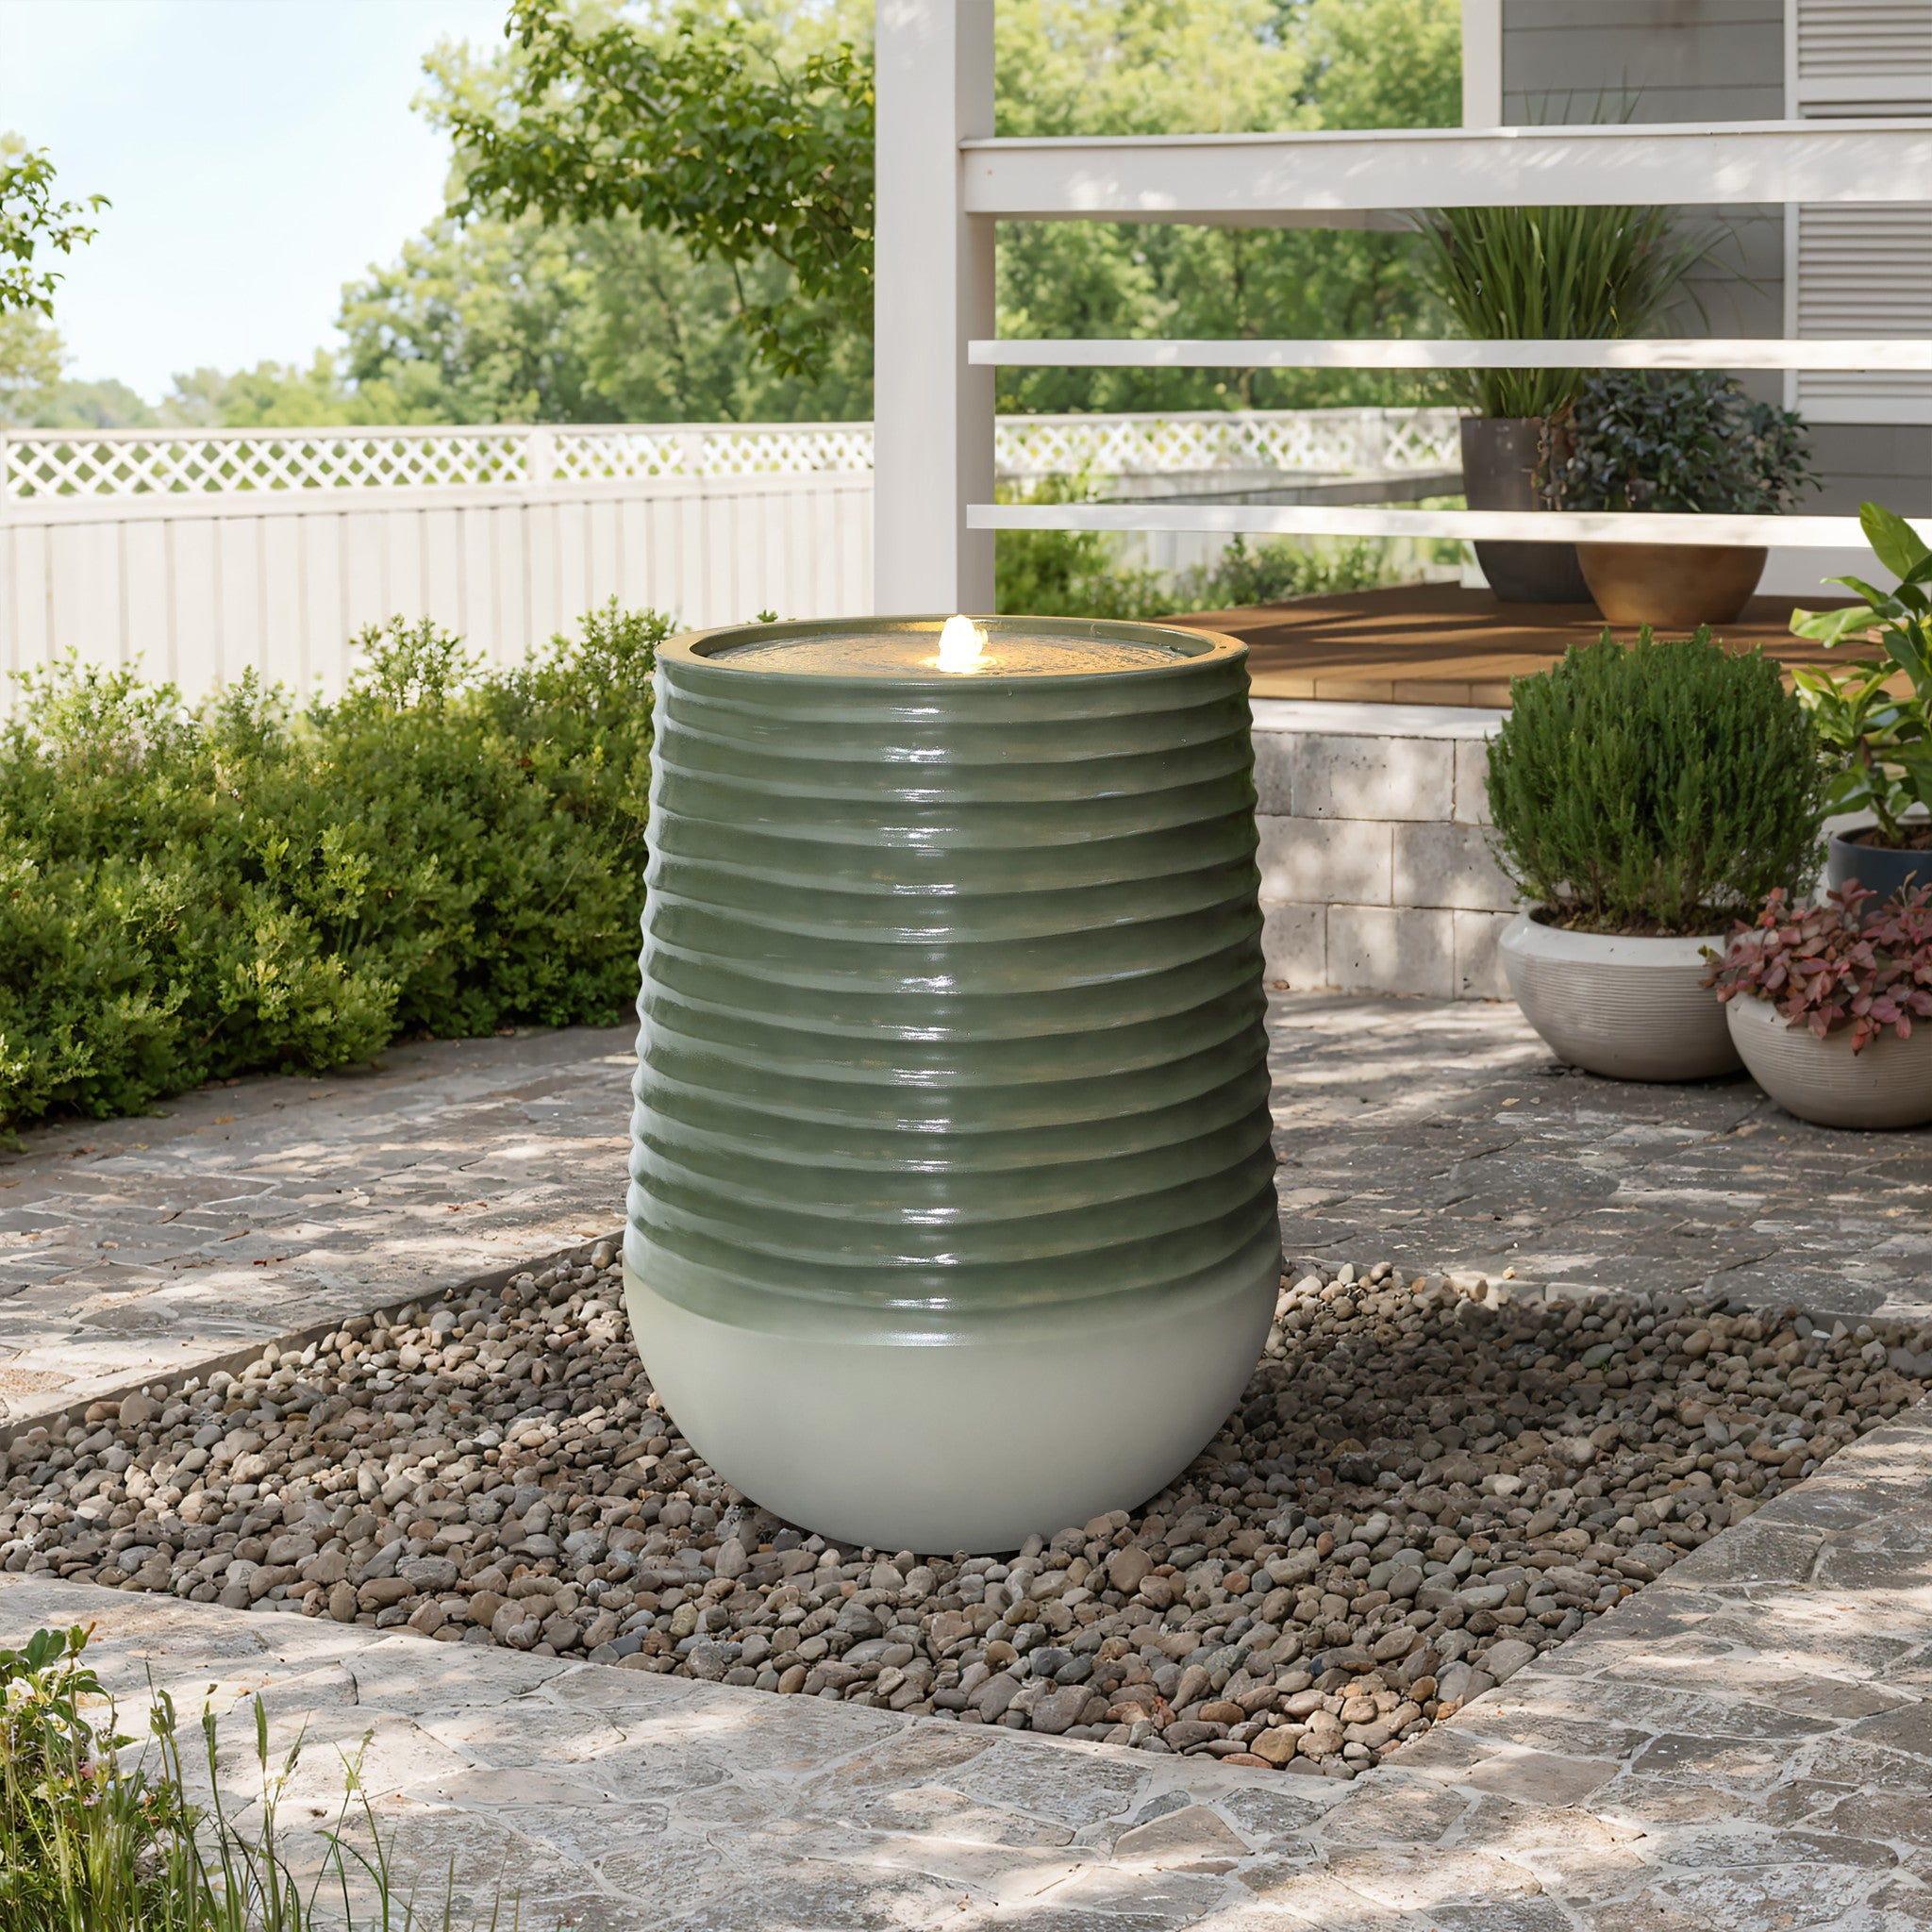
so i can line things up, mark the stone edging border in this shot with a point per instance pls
(172, 1380)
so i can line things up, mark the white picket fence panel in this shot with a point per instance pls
(200, 554)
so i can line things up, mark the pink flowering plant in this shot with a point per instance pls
(1850, 962)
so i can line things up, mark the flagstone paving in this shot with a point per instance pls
(1438, 1135)
(243, 1213)
(1442, 1136)
(1746, 1745)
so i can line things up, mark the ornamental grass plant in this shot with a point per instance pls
(1655, 787)
(1577, 273)
(102, 1832)
(191, 893)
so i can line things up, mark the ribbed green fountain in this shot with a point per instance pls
(952, 1213)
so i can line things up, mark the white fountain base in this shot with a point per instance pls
(1036, 1422)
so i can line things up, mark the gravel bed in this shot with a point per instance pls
(1425, 1484)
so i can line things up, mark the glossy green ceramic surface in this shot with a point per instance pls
(952, 1004)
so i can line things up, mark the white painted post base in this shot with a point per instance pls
(967, 1446)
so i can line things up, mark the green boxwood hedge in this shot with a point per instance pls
(1655, 787)
(445, 850)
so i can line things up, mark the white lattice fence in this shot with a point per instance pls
(201, 553)
(708, 450)
(119, 463)
(1323, 442)
(219, 461)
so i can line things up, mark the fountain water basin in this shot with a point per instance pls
(952, 1212)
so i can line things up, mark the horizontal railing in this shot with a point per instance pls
(1865, 354)
(40, 464)
(1467, 525)
(1471, 525)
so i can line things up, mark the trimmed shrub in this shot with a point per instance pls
(247, 886)
(1655, 787)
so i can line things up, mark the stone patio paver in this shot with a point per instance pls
(1745, 1744)
(1442, 1136)
(630, 1799)
(243, 1213)
(1436, 1134)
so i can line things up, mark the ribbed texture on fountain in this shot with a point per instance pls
(952, 1008)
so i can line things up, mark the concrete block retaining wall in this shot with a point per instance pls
(1375, 870)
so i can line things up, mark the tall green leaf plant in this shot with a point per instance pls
(1877, 742)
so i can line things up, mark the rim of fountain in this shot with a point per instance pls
(1193, 651)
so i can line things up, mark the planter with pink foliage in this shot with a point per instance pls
(1822, 1004)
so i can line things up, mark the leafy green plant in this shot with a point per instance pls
(188, 896)
(1678, 440)
(1655, 788)
(1272, 571)
(96, 1837)
(1506, 273)
(1877, 742)
(1070, 573)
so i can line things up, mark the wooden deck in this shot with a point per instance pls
(1440, 644)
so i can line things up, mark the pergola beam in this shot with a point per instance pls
(1337, 174)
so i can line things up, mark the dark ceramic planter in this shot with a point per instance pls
(1885, 872)
(952, 1213)
(1499, 464)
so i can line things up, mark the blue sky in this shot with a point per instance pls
(259, 154)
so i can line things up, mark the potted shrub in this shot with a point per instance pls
(1508, 273)
(1820, 1000)
(1877, 739)
(1690, 442)
(1645, 796)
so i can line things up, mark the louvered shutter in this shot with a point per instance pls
(1864, 269)
(1862, 57)
(1861, 269)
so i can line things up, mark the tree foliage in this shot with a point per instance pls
(629, 291)
(700, 131)
(30, 358)
(534, 132)
(33, 223)
(31, 354)
(1112, 67)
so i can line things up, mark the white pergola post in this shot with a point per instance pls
(932, 410)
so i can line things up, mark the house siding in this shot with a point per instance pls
(1581, 60)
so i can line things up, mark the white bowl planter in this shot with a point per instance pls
(1889, 1085)
(1632, 1008)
